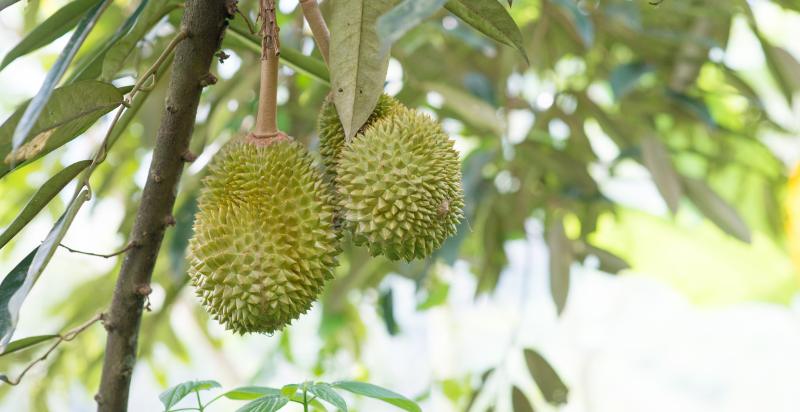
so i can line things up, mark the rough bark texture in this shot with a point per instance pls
(205, 21)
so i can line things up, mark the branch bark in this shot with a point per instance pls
(205, 22)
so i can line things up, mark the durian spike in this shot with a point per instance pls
(266, 121)
(318, 27)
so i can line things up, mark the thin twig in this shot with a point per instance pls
(128, 247)
(65, 337)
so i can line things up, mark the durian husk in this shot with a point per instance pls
(400, 186)
(264, 243)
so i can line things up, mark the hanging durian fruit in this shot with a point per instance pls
(400, 186)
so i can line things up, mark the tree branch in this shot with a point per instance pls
(205, 22)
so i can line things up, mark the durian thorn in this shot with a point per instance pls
(318, 27)
(266, 121)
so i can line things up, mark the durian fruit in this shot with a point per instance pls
(264, 242)
(331, 132)
(400, 186)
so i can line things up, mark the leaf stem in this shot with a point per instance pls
(266, 121)
(128, 247)
(318, 27)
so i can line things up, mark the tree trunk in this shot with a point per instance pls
(205, 22)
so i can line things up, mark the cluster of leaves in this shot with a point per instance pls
(637, 74)
(264, 399)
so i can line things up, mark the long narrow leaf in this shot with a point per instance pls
(25, 343)
(43, 196)
(36, 106)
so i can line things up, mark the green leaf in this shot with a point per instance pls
(358, 66)
(550, 384)
(306, 64)
(6, 3)
(386, 304)
(609, 262)
(91, 67)
(520, 402)
(290, 389)
(625, 77)
(248, 393)
(656, 158)
(583, 24)
(376, 392)
(47, 31)
(114, 59)
(560, 250)
(269, 403)
(325, 392)
(43, 196)
(694, 106)
(13, 293)
(404, 17)
(24, 343)
(716, 209)
(470, 108)
(173, 395)
(491, 19)
(69, 112)
(31, 115)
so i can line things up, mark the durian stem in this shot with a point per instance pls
(318, 27)
(267, 119)
(205, 22)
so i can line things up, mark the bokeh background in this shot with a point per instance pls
(637, 172)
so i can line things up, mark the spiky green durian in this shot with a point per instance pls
(331, 132)
(400, 186)
(264, 242)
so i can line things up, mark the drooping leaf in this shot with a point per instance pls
(520, 402)
(609, 262)
(560, 250)
(716, 209)
(91, 66)
(31, 115)
(41, 198)
(69, 112)
(248, 393)
(175, 394)
(306, 64)
(376, 392)
(25, 343)
(550, 384)
(13, 293)
(47, 31)
(657, 160)
(404, 17)
(326, 392)
(625, 77)
(270, 403)
(491, 19)
(358, 65)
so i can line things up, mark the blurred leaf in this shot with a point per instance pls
(477, 391)
(175, 394)
(32, 112)
(290, 389)
(325, 392)
(716, 209)
(358, 67)
(583, 24)
(47, 31)
(656, 159)
(268, 403)
(25, 343)
(13, 293)
(694, 106)
(550, 384)
(68, 113)
(247, 393)
(788, 66)
(376, 392)
(471, 109)
(491, 19)
(609, 262)
(91, 67)
(42, 197)
(520, 402)
(437, 295)
(625, 77)
(6, 3)
(306, 64)
(386, 303)
(404, 17)
(560, 261)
